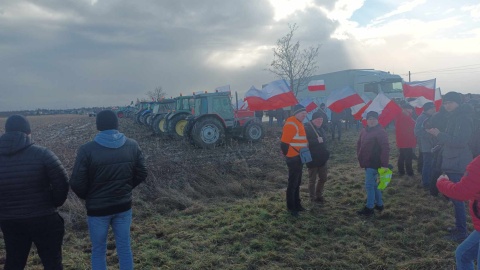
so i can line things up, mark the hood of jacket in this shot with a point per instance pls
(13, 142)
(110, 138)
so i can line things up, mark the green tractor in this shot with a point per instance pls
(214, 118)
(176, 120)
(140, 109)
(160, 110)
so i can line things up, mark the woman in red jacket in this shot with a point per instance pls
(406, 140)
(467, 189)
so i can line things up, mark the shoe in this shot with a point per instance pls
(300, 209)
(379, 208)
(367, 212)
(456, 236)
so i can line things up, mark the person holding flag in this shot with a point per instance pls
(372, 152)
(318, 166)
(293, 139)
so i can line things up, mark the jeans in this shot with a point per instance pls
(336, 125)
(374, 195)
(458, 206)
(98, 228)
(295, 168)
(427, 168)
(46, 232)
(405, 161)
(467, 252)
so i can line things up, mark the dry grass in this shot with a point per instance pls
(225, 209)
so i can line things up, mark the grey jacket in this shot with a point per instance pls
(425, 140)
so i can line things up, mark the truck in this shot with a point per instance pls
(366, 82)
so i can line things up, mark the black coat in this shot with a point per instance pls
(33, 181)
(319, 151)
(105, 177)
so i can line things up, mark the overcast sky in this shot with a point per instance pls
(60, 54)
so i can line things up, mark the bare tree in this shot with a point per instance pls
(291, 63)
(156, 94)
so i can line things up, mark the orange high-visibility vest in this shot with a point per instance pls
(294, 134)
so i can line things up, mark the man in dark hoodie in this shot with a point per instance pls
(33, 183)
(456, 154)
(372, 152)
(106, 171)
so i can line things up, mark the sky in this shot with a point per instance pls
(64, 54)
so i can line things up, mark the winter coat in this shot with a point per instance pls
(425, 140)
(319, 151)
(459, 129)
(373, 148)
(467, 189)
(404, 131)
(33, 181)
(105, 177)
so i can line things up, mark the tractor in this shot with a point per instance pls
(161, 109)
(141, 108)
(214, 118)
(175, 121)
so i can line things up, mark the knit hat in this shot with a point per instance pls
(407, 105)
(427, 106)
(453, 96)
(373, 114)
(298, 108)
(316, 115)
(17, 122)
(322, 105)
(107, 119)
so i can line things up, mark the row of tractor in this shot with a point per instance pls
(204, 120)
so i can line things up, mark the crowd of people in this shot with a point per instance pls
(447, 140)
(33, 183)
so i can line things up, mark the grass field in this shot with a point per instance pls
(225, 209)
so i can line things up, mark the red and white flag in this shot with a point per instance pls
(385, 107)
(438, 99)
(418, 103)
(417, 89)
(337, 101)
(357, 110)
(309, 104)
(316, 85)
(274, 95)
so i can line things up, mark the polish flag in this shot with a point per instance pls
(316, 85)
(438, 99)
(420, 89)
(359, 109)
(274, 95)
(385, 107)
(309, 104)
(337, 101)
(418, 103)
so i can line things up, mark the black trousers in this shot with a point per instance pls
(295, 170)
(45, 232)
(405, 161)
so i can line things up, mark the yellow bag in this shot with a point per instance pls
(385, 177)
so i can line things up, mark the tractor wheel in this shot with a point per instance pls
(148, 120)
(120, 114)
(161, 125)
(208, 133)
(176, 126)
(253, 132)
(157, 123)
(137, 118)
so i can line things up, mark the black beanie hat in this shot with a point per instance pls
(298, 108)
(19, 123)
(427, 106)
(316, 115)
(107, 119)
(373, 114)
(453, 96)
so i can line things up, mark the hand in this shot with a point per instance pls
(320, 139)
(443, 176)
(433, 131)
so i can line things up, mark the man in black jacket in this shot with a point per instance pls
(33, 183)
(106, 171)
(318, 166)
